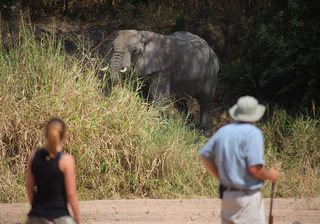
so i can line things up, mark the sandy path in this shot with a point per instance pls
(171, 211)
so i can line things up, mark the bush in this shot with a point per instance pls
(279, 60)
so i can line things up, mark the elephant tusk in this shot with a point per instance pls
(124, 70)
(104, 69)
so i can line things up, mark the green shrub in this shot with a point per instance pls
(279, 55)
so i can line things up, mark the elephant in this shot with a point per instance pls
(178, 65)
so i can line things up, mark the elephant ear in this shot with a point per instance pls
(155, 54)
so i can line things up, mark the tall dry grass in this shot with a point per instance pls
(293, 144)
(123, 147)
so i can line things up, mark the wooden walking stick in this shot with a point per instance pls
(271, 204)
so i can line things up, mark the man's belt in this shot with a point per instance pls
(226, 188)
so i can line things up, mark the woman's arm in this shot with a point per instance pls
(67, 166)
(30, 183)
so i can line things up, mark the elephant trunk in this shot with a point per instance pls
(116, 65)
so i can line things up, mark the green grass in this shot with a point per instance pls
(124, 147)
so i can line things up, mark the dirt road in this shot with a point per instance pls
(194, 211)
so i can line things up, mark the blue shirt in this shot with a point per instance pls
(234, 148)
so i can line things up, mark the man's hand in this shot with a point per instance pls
(273, 174)
(261, 173)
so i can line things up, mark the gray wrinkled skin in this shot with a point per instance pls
(181, 64)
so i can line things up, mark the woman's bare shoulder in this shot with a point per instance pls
(67, 157)
(66, 162)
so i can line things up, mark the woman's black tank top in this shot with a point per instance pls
(50, 199)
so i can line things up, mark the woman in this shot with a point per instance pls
(51, 180)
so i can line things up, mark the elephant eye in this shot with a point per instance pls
(135, 51)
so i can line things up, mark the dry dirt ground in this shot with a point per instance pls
(172, 211)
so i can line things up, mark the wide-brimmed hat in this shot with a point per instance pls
(247, 109)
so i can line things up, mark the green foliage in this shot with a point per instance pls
(279, 58)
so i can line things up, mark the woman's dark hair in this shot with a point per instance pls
(60, 121)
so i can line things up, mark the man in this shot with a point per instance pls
(234, 155)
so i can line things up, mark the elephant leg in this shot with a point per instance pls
(159, 89)
(182, 106)
(145, 88)
(205, 103)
